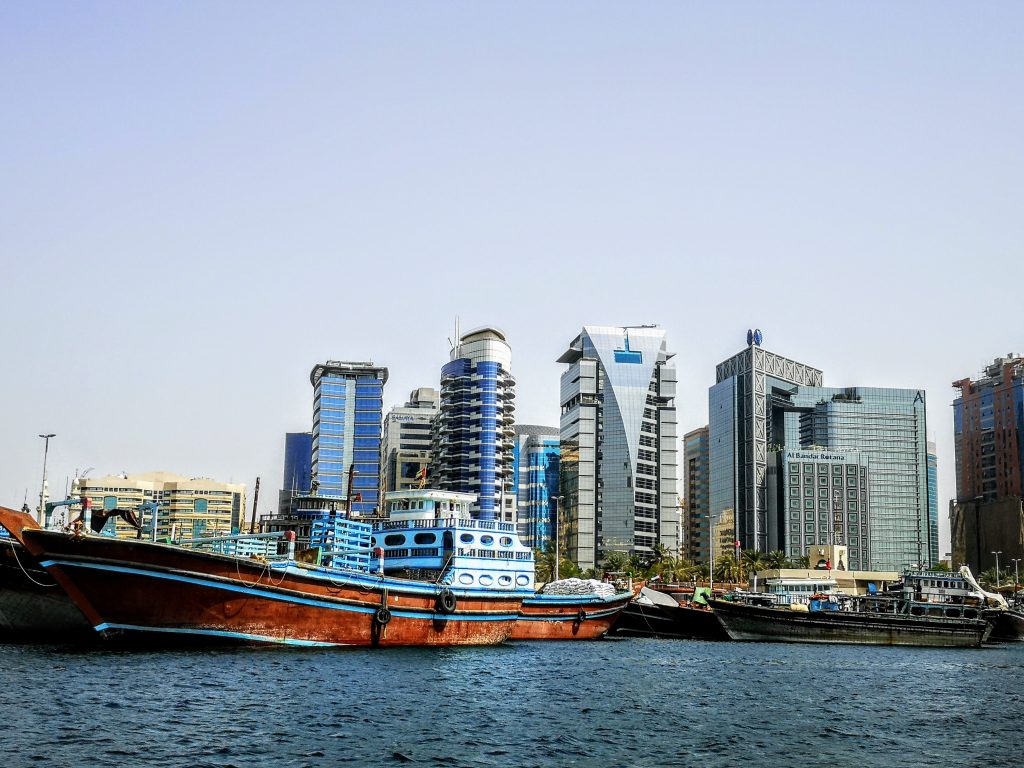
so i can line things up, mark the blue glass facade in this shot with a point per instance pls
(535, 476)
(298, 462)
(347, 414)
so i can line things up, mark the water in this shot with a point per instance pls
(618, 702)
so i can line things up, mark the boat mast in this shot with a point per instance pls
(255, 500)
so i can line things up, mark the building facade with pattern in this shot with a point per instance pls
(619, 444)
(474, 432)
(696, 478)
(348, 402)
(819, 497)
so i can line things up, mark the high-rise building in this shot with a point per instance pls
(742, 426)
(988, 432)
(933, 503)
(405, 449)
(473, 436)
(298, 468)
(763, 402)
(696, 465)
(619, 447)
(987, 516)
(536, 462)
(819, 497)
(348, 401)
(189, 507)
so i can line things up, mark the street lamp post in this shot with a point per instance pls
(1016, 578)
(997, 554)
(42, 487)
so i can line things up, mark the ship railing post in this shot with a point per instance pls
(289, 536)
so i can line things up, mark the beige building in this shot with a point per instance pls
(188, 507)
(828, 573)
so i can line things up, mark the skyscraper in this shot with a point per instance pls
(347, 407)
(405, 450)
(619, 444)
(763, 403)
(933, 503)
(742, 426)
(696, 477)
(536, 478)
(988, 430)
(473, 434)
(298, 469)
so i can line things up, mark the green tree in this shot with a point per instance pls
(776, 559)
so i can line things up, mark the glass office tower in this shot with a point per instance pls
(348, 401)
(535, 477)
(743, 428)
(696, 478)
(619, 444)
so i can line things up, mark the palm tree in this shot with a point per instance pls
(751, 561)
(613, 560)
(777, 559)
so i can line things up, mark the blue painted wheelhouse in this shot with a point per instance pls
(430, 535)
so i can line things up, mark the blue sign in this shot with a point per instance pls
(758, 338)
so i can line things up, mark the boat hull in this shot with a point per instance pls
(675, 621)
(128, 588)
(568, 617)
(1007, 626)
(756, 623)
(33, 607)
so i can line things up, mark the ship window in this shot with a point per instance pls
(426, 538)
(505, 581)
(487, 541)
(522, 581)
(394, 540)
(485, 580)
(506, 541)
(466, 538)
(465, 578)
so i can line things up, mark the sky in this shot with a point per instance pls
(201, 200)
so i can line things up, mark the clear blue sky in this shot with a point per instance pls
(202, 200)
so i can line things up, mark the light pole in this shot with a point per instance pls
(1016, 577)
(558, 510)
(42, 488)
(997, 554)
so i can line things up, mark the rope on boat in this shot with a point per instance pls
(14, 551)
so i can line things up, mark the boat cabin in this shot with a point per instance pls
(429, 534)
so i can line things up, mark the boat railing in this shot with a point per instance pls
(445, 522)
(239, 545)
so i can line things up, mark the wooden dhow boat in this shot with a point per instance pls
(142, 589)
(572, 609)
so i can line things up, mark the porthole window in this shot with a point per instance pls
(426, 538)
(394, 540)
(506, 541)
(466, 538)
(487, 541)
(486, 580)
(504, 581)
(465, 578)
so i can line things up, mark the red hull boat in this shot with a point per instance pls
(568, 617)
(133, 587)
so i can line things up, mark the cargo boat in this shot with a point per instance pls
(586, 616)
(142, 589)
(902, 617)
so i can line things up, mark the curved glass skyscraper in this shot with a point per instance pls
(618, 441)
